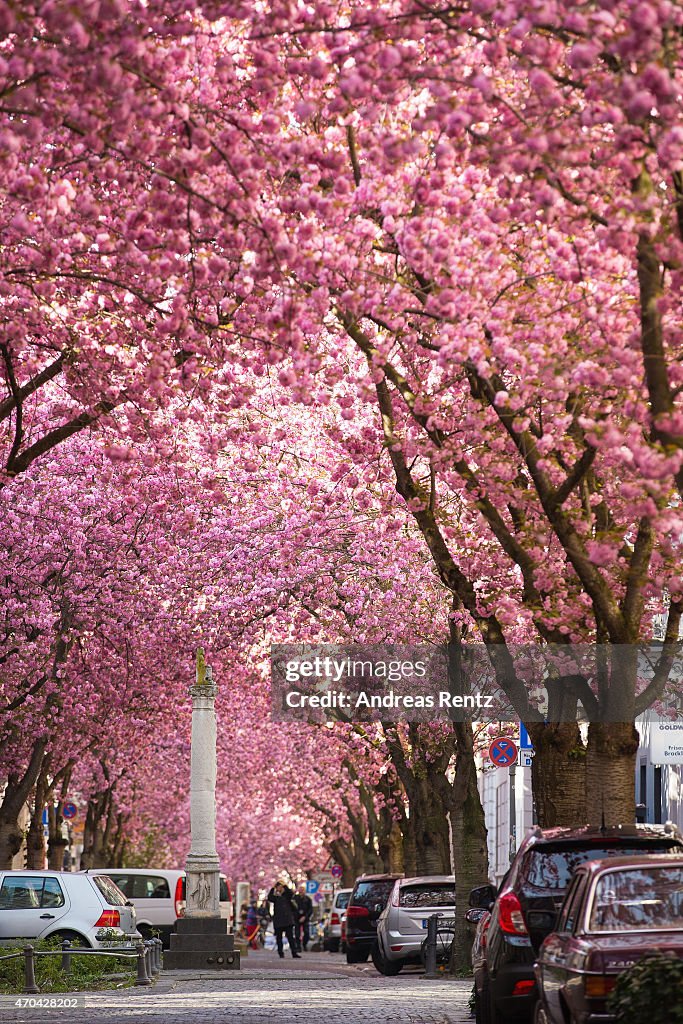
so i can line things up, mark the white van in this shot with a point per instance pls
(158, 895)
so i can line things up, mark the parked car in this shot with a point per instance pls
(333, 928)
(367, 901)
(158, 895)
(509, 937)
(90, 911)
(613, 914)
(402, 925)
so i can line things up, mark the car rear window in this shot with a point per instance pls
(342, 900)
(109, 890)
(366, 894)
(639, 899)
(432, 895)
(550, 868)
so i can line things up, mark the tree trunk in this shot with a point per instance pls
(96, 830)
(345, 855)
(396, 851)
(558, 774)
(35, 837)
(16, 794)
(409, 848)
(468, 839)
(56, 843)
(428, 811)
(610, 773)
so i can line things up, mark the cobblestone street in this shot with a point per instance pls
(320, 989)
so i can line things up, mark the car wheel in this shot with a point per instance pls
(333, 945)
(356, 956)
(74, 938)
(389, 968)
(540, 1016)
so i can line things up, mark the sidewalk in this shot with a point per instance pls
(318, 989)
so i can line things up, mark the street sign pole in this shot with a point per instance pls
(513, 811)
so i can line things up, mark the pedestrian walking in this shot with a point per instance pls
(264, 920)
(251, 925)
(284, 911)
(304, 905)
(242, 930)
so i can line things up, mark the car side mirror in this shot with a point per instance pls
(544, 921)
(475, 915)
(482, 897)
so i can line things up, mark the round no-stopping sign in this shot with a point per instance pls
(503, 752)
(336, 871)
(69, 810)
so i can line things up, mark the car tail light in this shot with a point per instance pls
(179, 901)
(599, 986)
(395, 896)
(395, 949)
(335, 918)
(523, 988)
(510, 915)
(108, 919)
(357, 912)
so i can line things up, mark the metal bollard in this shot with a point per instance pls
(151, 958)
(66, 956)
(142, 978)
(160, 951)
(29, 967)
(430, 948)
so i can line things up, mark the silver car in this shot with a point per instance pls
(402, 926)
(90, 911)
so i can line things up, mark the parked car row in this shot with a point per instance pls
(97, 907)
(387, 916)
(575, 908)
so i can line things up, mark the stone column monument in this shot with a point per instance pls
(201, 938)
(202, 866)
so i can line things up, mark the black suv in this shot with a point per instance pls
(520, 916)
(366, 902)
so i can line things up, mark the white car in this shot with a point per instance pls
(158, 895)
(333, 930)
(90, 911)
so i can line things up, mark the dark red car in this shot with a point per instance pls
(614, 913)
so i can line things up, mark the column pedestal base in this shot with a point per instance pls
(202, 943)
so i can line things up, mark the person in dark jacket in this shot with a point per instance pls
(283, 917)
(304, 905)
